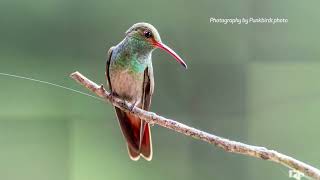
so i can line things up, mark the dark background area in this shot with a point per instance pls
(256, 83)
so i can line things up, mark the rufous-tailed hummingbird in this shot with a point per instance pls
(130, 76)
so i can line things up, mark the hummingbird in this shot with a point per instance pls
(129, 74)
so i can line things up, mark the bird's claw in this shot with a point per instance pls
(132, 106)
(114, 94)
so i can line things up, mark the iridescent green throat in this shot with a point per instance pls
(133, 55)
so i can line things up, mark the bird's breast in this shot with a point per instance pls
(127, 84)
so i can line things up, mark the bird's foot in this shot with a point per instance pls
(114, 94)
(133, 105)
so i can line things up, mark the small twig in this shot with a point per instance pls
(225, 144)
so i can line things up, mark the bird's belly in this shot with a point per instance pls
(127, 85)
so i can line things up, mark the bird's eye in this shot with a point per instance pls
(147, 34)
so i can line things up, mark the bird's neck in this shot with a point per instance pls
(134, 54)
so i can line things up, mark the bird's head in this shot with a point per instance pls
(149, 36)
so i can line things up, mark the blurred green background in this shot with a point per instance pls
(256, 83)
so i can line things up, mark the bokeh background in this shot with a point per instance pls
(256, 83)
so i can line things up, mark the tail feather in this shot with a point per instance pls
(133, 154)
(138, 138)
(130, 127)
(146, 145)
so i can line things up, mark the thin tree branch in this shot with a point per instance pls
(225, 144)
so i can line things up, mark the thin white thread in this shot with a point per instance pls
(49, 83)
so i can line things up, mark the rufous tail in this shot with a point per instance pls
(131, 129)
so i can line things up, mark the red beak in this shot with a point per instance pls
(170, 51)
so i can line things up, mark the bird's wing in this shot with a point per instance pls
(145, 133)
(148, 86)
(107, 67)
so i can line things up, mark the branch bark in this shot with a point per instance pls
(225, 144)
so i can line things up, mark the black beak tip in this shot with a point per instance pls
(185, 66)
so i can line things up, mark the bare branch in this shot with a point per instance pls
(225, 144)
